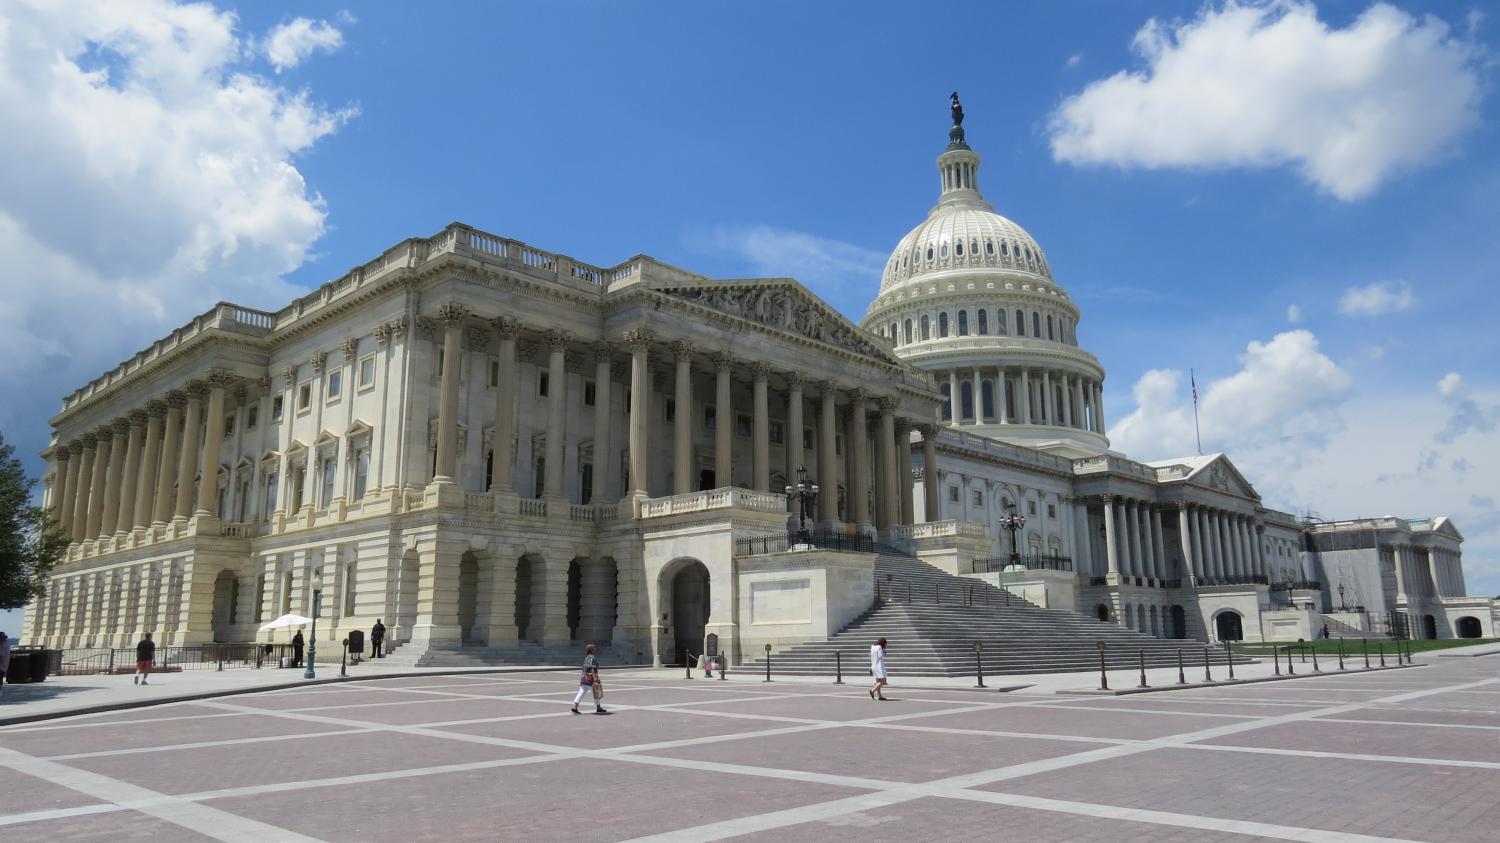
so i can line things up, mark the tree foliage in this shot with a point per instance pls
(30, 540)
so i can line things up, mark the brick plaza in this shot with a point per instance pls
(1411, 754)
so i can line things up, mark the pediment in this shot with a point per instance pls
(1220, 475)
(784, 305)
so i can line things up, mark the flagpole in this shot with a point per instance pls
(1196, 432)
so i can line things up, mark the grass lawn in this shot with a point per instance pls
(1352, 645)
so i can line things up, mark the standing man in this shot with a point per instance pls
(297, 643)
(4, 660)
(377, 637)
(145, 656)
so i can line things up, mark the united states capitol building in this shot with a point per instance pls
(504, 450)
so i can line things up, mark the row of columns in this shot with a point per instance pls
(120, 477)
(1217, 546)
(1427, 572)
(1133, 539)
(1036, 396)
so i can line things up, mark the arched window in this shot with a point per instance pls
(966, 393)
(989, 247)
(929, 254)
(944, 250)
(926, 332)
(1049, 327)
(984, 324)
(958, 248)
(973, 247)
(1004, 249)
(942, 324)
(1036, 324)
(907, 334)
(987, 402)
(947, 404)
(1020, 324)
(963, 323)
(893, 332)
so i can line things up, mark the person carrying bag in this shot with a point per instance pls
(589, 682)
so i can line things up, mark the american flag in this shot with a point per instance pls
(1194, 382)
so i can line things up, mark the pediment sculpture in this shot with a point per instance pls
(779, 307)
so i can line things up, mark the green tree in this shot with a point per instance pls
(30, 539)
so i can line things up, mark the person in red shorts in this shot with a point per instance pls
(145, 654)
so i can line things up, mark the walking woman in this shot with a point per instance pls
(589, 682)
(877, 668)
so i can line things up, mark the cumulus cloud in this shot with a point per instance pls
(1450, 384)
(828, 265)
(289, 43)
(1268, 85)
(1377, 299)
(1466, 414)
(155, 176)
(1293, 313)
(1282, 403)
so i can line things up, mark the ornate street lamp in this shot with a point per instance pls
(1012, 522)
(802, 493)
(312, 643)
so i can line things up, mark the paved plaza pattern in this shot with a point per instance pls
(1411, 755)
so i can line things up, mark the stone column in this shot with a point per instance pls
(187, 459)
(1163, 570)
(1099, 408)
(828, 500)
(603, 352)
(213, 437)
(79, 523)
(794, 425)
(59, 500)
(557, 408)
(1067, 403)
(97, 482)
(145, 488)
(166, 471)
(1435, 573)
(1184, 537)
(1133, 532)
(1200, 543)
(1002, 407)
(1111, 552)
(761, 431)
(723, 420)
(1079, 419)
(130, 479)
(502, 467)
(955, 399)
(905, 483)
(1260, 551)
(69, 501)
(1149, 550)
(1049, 410)
(682, 395)
(932, 505)
(1222, 559)
(639, 340)
(113, 478)
(452, 316)
(1247, 557)
(890, 505)
(1023, 398)
(856, 456)
(976, 386)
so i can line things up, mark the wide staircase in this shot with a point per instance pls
(470, 655)
(931, 621)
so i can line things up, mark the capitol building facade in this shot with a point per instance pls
(487, 445)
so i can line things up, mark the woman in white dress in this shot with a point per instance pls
(877, 669)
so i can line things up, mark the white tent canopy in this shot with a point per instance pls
(286, 620)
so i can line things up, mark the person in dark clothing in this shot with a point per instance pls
(297, 643)
(377, 637)
(145, 655)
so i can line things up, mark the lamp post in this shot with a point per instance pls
(1012, 522)
(803, 492)
(312, 643)
(1343, 606)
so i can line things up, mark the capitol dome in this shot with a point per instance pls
(969, 296)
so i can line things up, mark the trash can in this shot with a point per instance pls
(356, 643)
(20, 668)
(38, 665)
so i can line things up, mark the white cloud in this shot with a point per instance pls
(1282, 404)
(1466, 414)
(1450, 384)
(1293, 313)
(154, 177)
(1376, 299)
(289, 43)
(1074, 60)
(827, 265)
(1268, 84)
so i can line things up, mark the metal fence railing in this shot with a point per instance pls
(79, 662)
(1029, 561)
(823, 540)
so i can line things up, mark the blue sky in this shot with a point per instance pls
(1296, 201)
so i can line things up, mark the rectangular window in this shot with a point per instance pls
(953, 494)
(838, 446)
(228, 426)
(252, 415)
(361, 472)
(743, 424)
(1051, 510)
(807, 438)
(710, 417)
(367, 372)
(541, 384)
(586, 483)
(539, 477)
(304, 397)
(778, 433)
(276, 408)
(329, 467)
(335, 385)
(588, 393)
(1031, 507)
(671, 411)
(440, 362)
(270, 495)
(494, 373)
(978, 498)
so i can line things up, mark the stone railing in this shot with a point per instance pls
(580, 512)
(412, 501)
(237, 530)
(479, 502)
(607, 511)
(714, 499)
(534, 506)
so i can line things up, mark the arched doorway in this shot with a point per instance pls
(468, 597)
(1229, 626)
(688, 596)
(1429, 627)
(1102, 612)
(1179, 622)
(1469, 627)
(226, 596)
(1155, 623)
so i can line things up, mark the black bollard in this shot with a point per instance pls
(1316, 669)
(1291, 669)
(1181, 677)
(1208, 675)
(1382, 654)
(1341, 654)
(1365, 644)
(687, 665)
(768, 665)
(978, 670)
(1103, 677)
(838, 668)
(723, 667)
(343, 660)
(1229, 652)
(1276, 657)
(1143, 671)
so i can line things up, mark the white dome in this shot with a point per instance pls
(962, 236)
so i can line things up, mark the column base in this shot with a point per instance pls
(432, 634)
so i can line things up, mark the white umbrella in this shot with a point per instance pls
(286, 620)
